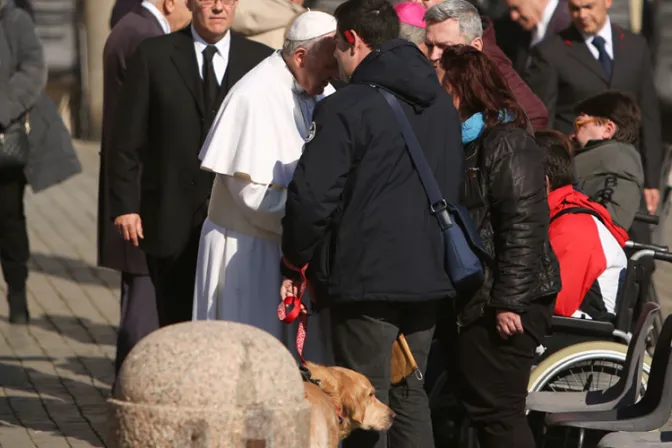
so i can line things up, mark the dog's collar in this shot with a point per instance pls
(307, 376)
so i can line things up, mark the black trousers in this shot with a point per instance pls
(362, 337)
(14, 249)
(174, 278)
(494, 373)
(138, 314)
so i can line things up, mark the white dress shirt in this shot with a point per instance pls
(606, 34)
(539, 32)
(156, 13)
(221, 58)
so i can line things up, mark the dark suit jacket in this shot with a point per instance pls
(136, 26)
(533, 107)
(161, 123)
(515, 41)
(564, 72)
(120, 9)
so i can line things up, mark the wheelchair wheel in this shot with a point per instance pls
(594, 365)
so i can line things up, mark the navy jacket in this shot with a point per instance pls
(356, 209)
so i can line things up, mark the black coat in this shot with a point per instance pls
(507, 201)
(564, 72)
(136, 26)
(515, 41)
(120, 9)
(356, 195)
(161, 123)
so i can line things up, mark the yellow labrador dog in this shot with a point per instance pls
(344, 401)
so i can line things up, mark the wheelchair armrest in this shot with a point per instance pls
(581, 326)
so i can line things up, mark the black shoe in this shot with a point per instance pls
(18, 307)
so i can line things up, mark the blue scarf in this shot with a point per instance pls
(472, 127)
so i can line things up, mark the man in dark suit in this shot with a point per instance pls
(138, 306)
(120, 9)
(529, 22)
(173, 90)
(592, 56)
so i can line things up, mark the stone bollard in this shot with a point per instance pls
(209, 384)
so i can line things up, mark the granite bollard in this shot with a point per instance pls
(209, 384)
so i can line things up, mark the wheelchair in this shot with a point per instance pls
(582, 354)
(577, 355)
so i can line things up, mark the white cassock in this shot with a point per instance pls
(253, 147)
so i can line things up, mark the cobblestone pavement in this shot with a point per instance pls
(56, 373)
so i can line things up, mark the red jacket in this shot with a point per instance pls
(531, 104)
(589, 250)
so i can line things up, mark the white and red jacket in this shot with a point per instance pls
(589, 247)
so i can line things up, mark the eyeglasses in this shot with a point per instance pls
(581, 122)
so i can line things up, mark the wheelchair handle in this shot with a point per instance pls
(663, 256)
(641, 246)
(648, 219)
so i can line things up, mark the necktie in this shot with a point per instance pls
(603, 58)
(210, 84)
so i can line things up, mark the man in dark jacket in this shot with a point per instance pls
(358, 215)
(454, 22)
(138, 307)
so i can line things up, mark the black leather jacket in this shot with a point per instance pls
(505, 192)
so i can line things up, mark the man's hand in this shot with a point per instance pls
(508, 324)
(129, 227)
(652, 198)
(290, 288)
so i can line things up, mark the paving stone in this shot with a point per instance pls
(56, 373)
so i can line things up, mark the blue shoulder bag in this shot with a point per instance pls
(463, 249)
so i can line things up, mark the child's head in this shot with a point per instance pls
(558, 166)
(609, 115)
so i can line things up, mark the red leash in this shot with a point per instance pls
(290, 309)
(294, 305)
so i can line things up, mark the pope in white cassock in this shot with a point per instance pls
(253, 147)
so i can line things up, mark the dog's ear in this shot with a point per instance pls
(353, 402)
(353, 399)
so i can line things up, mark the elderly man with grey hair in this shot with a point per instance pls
(253, 147)
(458, 22)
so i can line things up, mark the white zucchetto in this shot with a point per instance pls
(310, 25)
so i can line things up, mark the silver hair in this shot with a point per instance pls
(465, 13)
(290, 46)
(412, 33)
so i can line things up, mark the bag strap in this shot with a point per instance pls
(575, 210)
(436, 200)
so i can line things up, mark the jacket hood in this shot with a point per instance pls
(567, 197)
(400, 67)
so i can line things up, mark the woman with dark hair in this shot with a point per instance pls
(505, 191)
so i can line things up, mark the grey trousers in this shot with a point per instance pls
(138, 314)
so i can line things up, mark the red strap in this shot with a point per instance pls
(294, 305)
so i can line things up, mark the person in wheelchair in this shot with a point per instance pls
(586, 240)
(607, 162)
